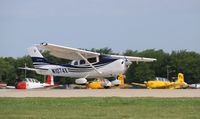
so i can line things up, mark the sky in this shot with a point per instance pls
(118, 24)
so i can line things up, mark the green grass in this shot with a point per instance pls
(99, 108)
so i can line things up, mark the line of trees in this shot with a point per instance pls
(175, 62)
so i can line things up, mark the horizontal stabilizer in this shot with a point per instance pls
(26, 68)
(32, 69)
(10, 87)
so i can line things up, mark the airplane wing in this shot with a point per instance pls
(139, 84)
(74, 53)
(134, 59)
(67, 52)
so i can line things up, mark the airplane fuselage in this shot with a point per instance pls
(30, 84)
(107, 69)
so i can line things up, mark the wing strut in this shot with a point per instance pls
(100, 73)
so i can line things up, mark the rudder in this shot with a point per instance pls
(50, 80)
(180, 78)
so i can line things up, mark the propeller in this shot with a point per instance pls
(127, 62)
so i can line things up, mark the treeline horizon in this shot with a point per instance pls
(183, 61)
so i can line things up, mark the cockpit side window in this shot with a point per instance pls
(32, 80)
(29, 80)
(92, 60)
(83, 62)
(36, 81)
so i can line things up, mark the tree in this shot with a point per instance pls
(143, 72)
(131, 53)
(105, 50)
(187, 63)
(159, 66)
(7, 70)
(139, 72)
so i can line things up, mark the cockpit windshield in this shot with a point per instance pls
(31, 80)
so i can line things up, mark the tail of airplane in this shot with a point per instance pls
(37, 58)
(121, 78)
(180, 78)
(50, 80)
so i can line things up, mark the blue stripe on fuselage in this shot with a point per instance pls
(40, 60)
(103, 60)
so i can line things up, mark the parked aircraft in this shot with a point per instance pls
(194, 86)
(165, 84)
(99, 84)
(3, 85)
(84, 64)
(31, 83)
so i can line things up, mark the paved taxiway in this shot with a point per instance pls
(100, 93)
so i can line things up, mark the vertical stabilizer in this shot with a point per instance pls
(121, 78)
(37, 58)
(180, 78)
(50, 80)
(34, 52)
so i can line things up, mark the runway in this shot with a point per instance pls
(100, 93)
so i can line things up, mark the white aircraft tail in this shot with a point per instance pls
(37, 58)
(50, 80)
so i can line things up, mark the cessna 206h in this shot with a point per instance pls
(84, 64)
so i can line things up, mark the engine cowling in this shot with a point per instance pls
(21, 85)
(116, 82)
(81, 81)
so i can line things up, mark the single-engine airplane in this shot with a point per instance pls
(195, 86)
(84, 64)
(165, 84)
(31, 83)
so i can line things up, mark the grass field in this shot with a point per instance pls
(99, 108)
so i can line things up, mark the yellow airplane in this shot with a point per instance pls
(100, 84)
(165, 84)
(95, 85)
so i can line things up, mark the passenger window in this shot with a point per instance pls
(29, 80)
(76, 63)
(32, 80)
(82, 61)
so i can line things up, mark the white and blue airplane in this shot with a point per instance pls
(84, 64)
